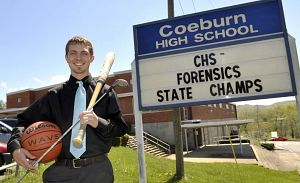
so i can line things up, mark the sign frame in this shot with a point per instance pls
(283, 34)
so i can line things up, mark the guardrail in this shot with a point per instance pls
(7, 166)
(157, 142)
(215, 139)
(4, 167)
(234, 138)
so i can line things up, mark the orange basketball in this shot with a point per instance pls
(39, 136)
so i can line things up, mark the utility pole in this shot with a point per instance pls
(258, 126)
(177, 122)
(170, 8)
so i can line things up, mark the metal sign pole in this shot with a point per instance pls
(295, 62)
(138, 128)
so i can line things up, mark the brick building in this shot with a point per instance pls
(158, 122)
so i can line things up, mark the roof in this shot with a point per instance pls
(217, 123)
(12, 112)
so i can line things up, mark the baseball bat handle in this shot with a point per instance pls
(78, 140)
(109, 59)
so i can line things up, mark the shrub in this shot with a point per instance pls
(124, 140)
(269, 146)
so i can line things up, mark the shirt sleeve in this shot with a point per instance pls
(36, 112)
(114, 125)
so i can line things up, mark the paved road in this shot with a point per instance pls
(292, 146)
(288, 154)
(219, 153)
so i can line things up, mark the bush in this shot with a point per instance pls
(269, 146)
(120, 141)
(124, 140)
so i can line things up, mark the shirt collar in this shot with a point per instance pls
(86, 80)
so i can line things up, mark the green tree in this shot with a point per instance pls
(292, 121)
(2, 105)
(280, 117)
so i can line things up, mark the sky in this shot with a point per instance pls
(34, 34)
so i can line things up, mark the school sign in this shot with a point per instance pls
(231, 54)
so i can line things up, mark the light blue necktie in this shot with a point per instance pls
(79, 106)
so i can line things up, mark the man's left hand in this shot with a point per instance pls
(89, 118)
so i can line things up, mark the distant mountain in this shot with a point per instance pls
(251, 111)
(263, 106)
(285, 102)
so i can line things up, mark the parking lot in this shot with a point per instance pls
(292, 146)
(6, 126)
(287, 155)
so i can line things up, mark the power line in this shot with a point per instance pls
(194, 6)
(181, 7)
(212, 3)
(232, 2)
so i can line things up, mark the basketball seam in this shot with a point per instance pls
(46, 147)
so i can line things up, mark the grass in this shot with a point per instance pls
(162, 170)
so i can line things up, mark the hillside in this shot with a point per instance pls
(281, 117)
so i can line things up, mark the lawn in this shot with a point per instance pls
(162, 170)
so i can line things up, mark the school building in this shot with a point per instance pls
(158, 123)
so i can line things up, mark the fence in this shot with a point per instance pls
(4, 167)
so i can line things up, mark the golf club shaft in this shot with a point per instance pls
(61, 137)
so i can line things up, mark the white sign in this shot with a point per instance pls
(274, 134)
(225, 55)
(249, 69)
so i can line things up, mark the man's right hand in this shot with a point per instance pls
(24, 159)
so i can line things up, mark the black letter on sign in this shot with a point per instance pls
(174, 95)
(195, 61)
(189, 93)
(212, 58)
(179, 77)
(211, 90)
(160, 97)
(259, 87)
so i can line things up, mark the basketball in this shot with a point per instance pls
(39, 136)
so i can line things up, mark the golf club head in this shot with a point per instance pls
(120, 83)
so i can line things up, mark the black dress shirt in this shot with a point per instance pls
(57, 106)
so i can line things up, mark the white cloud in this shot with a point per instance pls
(39, 80)
(58, 79)
(3, 85)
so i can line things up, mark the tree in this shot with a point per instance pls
(292, 121)
(2, 105)
(280, 117)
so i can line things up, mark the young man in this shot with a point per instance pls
(57, 105)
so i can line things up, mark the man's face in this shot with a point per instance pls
(79, 59)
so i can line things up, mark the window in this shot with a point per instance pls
(185, 113)
(19, 100)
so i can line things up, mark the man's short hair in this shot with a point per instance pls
(80, 40)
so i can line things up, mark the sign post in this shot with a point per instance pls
(295, 60)
(138, 129)
(177, 121)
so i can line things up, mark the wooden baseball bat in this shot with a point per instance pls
(109, 59)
